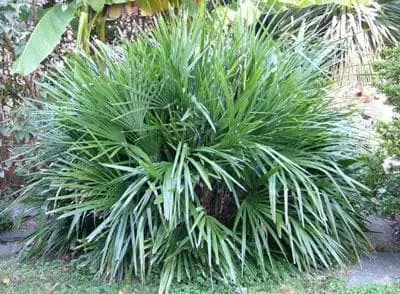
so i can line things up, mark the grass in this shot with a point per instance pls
(52, 277)
(61, 277)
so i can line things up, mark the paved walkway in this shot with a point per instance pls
(384, 265)
(12, 242)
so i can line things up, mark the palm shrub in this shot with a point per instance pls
(195, 150)
(359, 28)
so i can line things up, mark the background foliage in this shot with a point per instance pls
(388, 70)
(360, 30)
(382, 174)
(17, 21)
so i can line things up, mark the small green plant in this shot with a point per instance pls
(389, 72)
(390, 192)
(389, 195)
(371, 173)
(384, 196)
(390, 135)
(382, 179)
(6, 220)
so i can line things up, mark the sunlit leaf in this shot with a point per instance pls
(44, 38)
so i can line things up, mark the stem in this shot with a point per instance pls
(90, 26)
(8, 42)
(101, 26)
(82, 38)
(33, 9)
(202, 14)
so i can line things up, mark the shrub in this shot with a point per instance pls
(195, 151)
(390, 135)
(389, 71)
(382, 177)
(6, 222)
(389, 195)
(389, 190)
(383, 198)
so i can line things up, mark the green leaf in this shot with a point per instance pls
(97, 5)
(44, 39)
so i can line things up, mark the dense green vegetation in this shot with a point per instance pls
(385, 184)
(388, 70)
(204, 155)
(383, 198)
(390, 135)
(359, 29)
(195, 151)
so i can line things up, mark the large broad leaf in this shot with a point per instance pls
(97, 5)
(44, 38)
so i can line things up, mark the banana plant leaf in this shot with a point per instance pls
(44, 38)
(97, 5)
